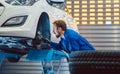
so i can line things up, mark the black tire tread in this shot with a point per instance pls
(95, 61)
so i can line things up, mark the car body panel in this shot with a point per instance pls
(28, 29)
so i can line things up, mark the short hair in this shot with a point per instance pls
(60, 23)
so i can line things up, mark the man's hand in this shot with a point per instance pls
(45, 40)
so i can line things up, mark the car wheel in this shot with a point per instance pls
(95, 62)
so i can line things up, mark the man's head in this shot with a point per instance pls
(59, 27)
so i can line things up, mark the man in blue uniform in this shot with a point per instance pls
(70, 40)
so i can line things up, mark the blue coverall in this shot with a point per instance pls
(72, 41)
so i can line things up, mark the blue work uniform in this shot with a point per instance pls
(72, 41)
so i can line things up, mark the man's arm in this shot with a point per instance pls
(55, 45)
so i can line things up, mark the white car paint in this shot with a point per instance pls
(33, 12)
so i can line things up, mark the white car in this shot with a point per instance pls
(21, 18)
(24, 19)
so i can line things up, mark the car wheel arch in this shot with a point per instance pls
(43, 22)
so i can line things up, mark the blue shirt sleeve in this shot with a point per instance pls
(54, 45)
(62, 45)
(58, 46)
(65, 45)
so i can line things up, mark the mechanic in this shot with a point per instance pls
(70, 40)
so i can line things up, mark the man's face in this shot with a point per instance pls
(56, 31)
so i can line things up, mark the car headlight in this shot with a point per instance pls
(15, 21)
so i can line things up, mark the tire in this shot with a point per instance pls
(13, 60)
(95, 62)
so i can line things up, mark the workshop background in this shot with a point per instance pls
(97, 20)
